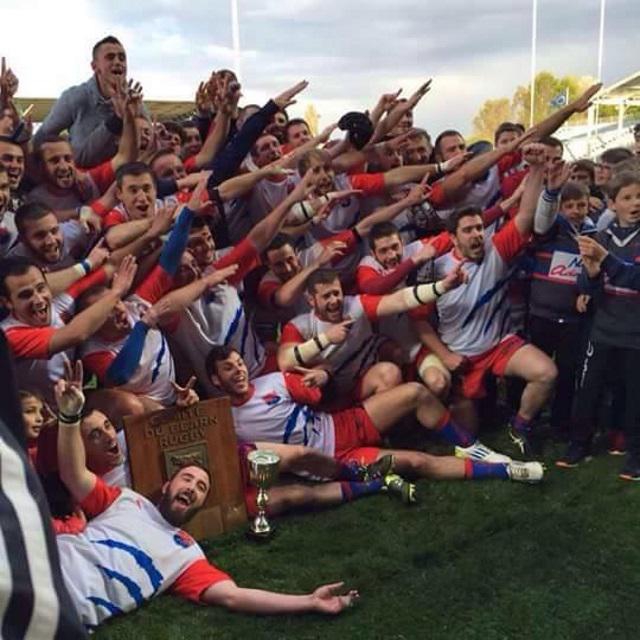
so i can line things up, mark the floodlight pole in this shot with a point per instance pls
(235, 36)
(534, 35)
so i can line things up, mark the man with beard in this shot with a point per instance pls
(39, 327)
(50, 244)
(474, 320)
(12, 159)
(87, 111)
(132, 550)
(8, 230)
(64, 186)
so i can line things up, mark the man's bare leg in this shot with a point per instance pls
(381, 377)
(116, 404)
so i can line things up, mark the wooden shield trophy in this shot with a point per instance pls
(161, 441)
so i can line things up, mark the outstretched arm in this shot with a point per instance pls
(324, 599)
(71, 454)
(534, 156)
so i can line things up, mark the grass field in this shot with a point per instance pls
(487, 560)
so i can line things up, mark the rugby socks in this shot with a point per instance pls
(521, 425)
(354, 490)
(484, 470)
(452, 433)
(352, 471)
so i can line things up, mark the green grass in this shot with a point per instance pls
(487, 560)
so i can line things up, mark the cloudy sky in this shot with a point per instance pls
(349, 50)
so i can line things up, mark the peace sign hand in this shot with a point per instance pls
(68, 389)
(185, 396)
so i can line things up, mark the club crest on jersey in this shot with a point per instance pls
(183, 539)
(271, 398)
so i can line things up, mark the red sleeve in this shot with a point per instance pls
(299, 391)
(348, 237)
(245, 255)
(291, 334)
(30, 342)
(442, 243)
(509, 242)
(197, 578)
(71, 524)
(266, 292)
(102, 175)
(370, 306)
(371, 184)
(155, 285)
(489, 216)
(98, 363)
(378, 284)
(113, 218)
(99, 276)
(190, 164)
(509, 161)
(436, 195)
(100, 498)
(365, 274)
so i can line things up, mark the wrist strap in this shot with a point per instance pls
(416, 296)
(436, 293)
(317, 340)
(66, 419)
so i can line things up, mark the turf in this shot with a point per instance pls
(486, 560)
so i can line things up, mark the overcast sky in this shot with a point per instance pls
(349, 50)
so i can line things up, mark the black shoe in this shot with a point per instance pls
(527, 444)
(631, 469)
(576, 453)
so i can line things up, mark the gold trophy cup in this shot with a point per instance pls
(263, 472)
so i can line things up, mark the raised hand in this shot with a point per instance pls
(325, 134)
(199, 200)
(534, 154)
(591, 249)
(286, 98)
(220, 275)
(582, 103)
(99, 254)
(163, 220)
(557, 175)
(337, 333)
(452, 164)
(68, 390)
(134, 99)
(454, 278)
(185, 396)
(204, 104)
(313, 377)
(123, 278)
(418, 193)
(388, 101)
(420, 93)
(326, 599)
(118, 97)
(330, 252)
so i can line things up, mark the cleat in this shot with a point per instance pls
(631, 470)
(530, 472)
(617, 445)
(526, 443)
(575, 454)
(401, 488)
(481, 453)
(381, 468)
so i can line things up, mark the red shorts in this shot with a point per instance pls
(493, 361)
(356, 436)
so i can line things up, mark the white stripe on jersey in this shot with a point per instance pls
(156, 370)
(126, 555)
(271, 415)
(46, 607)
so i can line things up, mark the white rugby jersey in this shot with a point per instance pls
(155, 372)
(357, 353)
(268, 194)
(127, 554)
(474, 317)
(272, 414)
(35, 368)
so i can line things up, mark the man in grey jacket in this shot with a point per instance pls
(86, 111)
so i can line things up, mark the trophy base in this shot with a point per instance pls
(260, 536)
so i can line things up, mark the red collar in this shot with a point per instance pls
(238, 402)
